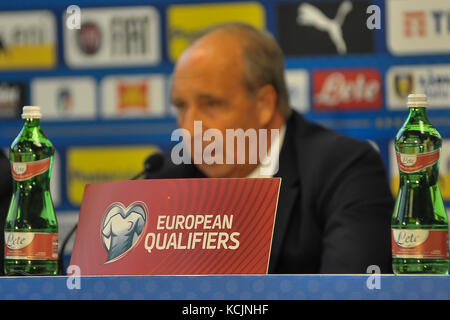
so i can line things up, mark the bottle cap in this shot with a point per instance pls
(417, 100)
(31, 112)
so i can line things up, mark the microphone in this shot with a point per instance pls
(152, 164)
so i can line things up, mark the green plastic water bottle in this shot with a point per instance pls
(31, 227)
(419, 221)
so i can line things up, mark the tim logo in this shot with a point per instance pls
(122, 228)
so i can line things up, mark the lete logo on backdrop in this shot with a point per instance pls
(356, 89)
(122, 228)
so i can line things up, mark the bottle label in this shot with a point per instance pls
(410, 163)
(420, 243)
(31, 246)
(22, 171)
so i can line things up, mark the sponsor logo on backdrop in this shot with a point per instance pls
(89, 38)
(433, 80)
(63, 98)
(403, 84)
(100, 164)
(123, 36)
(312, 28)
(133, 96)
(444, 169)
(27, 39)
(12, 99)
(417, 26)
(414, 24)
(297, 81)
(350, 89)
(185, 22)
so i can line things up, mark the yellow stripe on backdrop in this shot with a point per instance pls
(32, 56)
(100, 164)
(184, 22)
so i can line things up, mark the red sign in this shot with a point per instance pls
(356, 89)
(176, 227)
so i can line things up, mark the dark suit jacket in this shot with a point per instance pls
(335, 205)
(5, 198)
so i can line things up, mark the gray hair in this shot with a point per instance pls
(263, 60)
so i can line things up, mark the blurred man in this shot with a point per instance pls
(5, 199)
(335, 205)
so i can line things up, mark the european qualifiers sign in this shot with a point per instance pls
(176, 227)
(324, 28)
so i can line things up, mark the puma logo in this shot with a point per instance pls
(308, 15)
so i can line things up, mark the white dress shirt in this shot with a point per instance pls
(272, 168)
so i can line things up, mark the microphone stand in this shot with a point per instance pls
(63, 247)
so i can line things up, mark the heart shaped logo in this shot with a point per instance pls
(122, 228)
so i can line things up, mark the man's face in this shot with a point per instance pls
(208, 86)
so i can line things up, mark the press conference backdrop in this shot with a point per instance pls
(103, 81)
